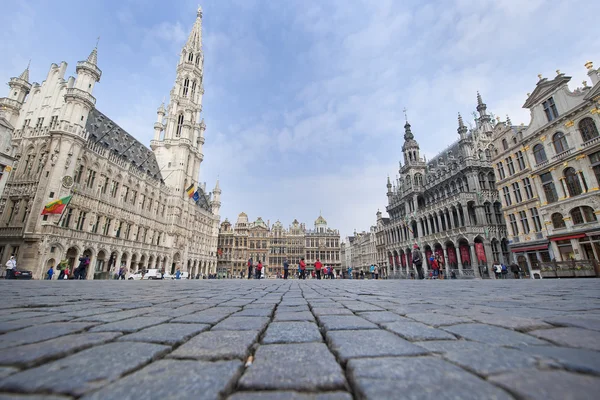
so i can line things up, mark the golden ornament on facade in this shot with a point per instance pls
(589, 65)
(569, 124)
(543, 138)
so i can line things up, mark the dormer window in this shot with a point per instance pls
(550, 109)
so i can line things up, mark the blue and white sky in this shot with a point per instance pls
(303, 98)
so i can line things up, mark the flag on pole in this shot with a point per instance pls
(196, 196)
(56, 206)
(190, 190)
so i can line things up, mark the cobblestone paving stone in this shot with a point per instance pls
(308, 340)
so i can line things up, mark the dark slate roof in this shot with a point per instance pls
(204, 200)
(106, 132)
(454, 148)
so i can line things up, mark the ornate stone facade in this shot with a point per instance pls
(448, 205)
(557, 214)
(273, 244)
(129, 206)
(360, 250)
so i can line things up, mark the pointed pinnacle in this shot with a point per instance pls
(479, 100)
(460, 121)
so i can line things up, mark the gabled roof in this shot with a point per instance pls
(114, 138)
(593, 92)
(4, 122)
(543, 89)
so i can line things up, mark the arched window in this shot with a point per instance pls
(461, 187)
(557, 221)
(198, 59)
(491, 181)
(488, 155)
(504, 144)
(418, 179)
(588, 129)
(179, 125)
(482, 181)
(573, 184)
(193, 89)
(560, 142)
(191, 57)
(186, 85)
(539, 153)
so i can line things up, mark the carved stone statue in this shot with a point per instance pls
(54, 159)
(68, 162)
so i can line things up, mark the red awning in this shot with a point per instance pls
(530, 248)
(567, 237)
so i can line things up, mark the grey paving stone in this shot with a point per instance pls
(303, 366)
(40, 333)
(130, 325)
(416, 331)
(286, 395)
(510, 322)
(491, 360)
(358, 306)
(86, 312)
(549, 385)
(25, 322)
(94, 367)
(174, 379)
(337, 322)
(116, 316)
(292, 332)
(378, 317)
(333, 310)
(6, 396)
(571, 337)
(370, 343)
(11, 316)
(438, 319)
(294, 316)
(281, 308)
(254, 312)
(242, 324)
(444, 346)
(576, 321)
(170, 334)
(202, 317)
(580, 360)
(6, 371)
(417, 378)
(34, 353)
(217, 345)
(493, 335)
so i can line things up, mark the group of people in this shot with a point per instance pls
(65, 273)
(501, 271)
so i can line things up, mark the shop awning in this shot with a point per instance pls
(567, 237)
(529, 248)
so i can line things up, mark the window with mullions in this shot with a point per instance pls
(573, 184)
(539, 153)
(595, 163)
(550, 109)
(524, 221)
(513, 225)
(549, 188)
(510, 165)
(588, 129)
(528, 189)
(520, 160)
(507, 199)
(500, 171)
(581, 215)
(517, 192)
(537, 224)
(560, 142)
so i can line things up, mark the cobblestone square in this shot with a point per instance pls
(328, 339)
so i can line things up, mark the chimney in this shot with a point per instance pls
(592, 73)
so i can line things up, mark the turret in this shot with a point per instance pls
(594, 74)
(10, 106)
(158, 125)
(216, 200)
(389, 187)
(484, 118)
(462, 129)
(410, 147)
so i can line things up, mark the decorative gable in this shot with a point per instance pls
(544, 89)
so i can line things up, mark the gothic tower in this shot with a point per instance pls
(178, 136)
(19, 88)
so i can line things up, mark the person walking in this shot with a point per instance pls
(11, 266)
(178, 273)
(376, 271)
(330, 272)
(440, 261)
(259, 269)
(514, 268)
(50, 273)
(497, 269)
(372, 271)
(286, 267)
(302, 265)
(61, 267)
(81, 271)
(250, 268)
(435, 267)
(318, 267)
(417, 259)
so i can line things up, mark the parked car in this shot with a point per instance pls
(152, 274)
(22, 274)
(185, 275)
(167, 275)
(135, 277)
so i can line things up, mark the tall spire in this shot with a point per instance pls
(408, 135)
(25, 74)
(481, 107)
(194, 42)
(462, 129)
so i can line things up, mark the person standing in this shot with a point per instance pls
(372, 271)
(286, 267)
(11, 266)
(62, 266)
(376, 271)
(497, 269)
(178, 273)
(250, 268)
(302, 268)
(81, 271)
(417, 259)
(349, 272)
(435, 267)
(50, 273)
(259, 269)
(318, 267)
(514, 268)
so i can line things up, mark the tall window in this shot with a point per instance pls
(580, 215)
(498, 212)
(560, 142)
(573, 184)
(91, 179)
(524, 221)
(507, 199)
(595, 163)
(537, 224)
(557, 221)
(96, 225)
(539, 153)
(191, 57)
(482, 181)
(78, 173)
(520, 160)
(193, 90)
(550, 109)
(53, 121)
(106, 228)
(549, 188)
(179, 125)
(517, 192)
(81, 220)
(488, 213)
(588, 129)
(105, 184)
(491, 181)
(510, 165)
(513, 225)
(114, 189)
(527, 186)
(186, 86)
(500, 168)
(118, 234)
(504, 144)
(67, 220)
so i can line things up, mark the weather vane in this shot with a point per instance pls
(97, 41)
(405, 115)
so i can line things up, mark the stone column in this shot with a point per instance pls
(89, 273)
(439, 220)
(446, 264)
(580, 176)
(458, 259)
(419, 230)
(448, 220)
(563, 185)
(474, 261)
(117, 264)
